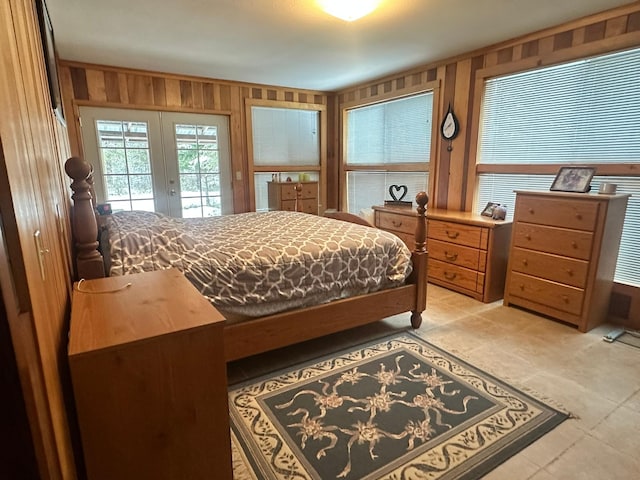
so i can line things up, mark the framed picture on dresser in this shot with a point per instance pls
(573, 179)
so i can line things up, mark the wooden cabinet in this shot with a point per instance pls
(563, 254)
(282, 196)
(400, 221)
(467, 252)
(149, 379)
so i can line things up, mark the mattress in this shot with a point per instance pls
(260, 263)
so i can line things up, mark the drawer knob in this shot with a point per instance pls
(452, 257)
(525, 262)
(578, 216)
(574, 244)
(452, 234)
(531, 211)
(565, 299)
(527, 236)
(396, 223)
(521, 286)
(449, 276)
(569, 272)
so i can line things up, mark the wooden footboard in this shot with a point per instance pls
(259, 335)
(262, 334)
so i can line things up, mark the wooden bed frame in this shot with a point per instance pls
(253, 336)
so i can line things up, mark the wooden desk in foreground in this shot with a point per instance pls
(149, 379)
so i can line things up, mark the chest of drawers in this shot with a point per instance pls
(467, 252)
(282, 196)
(563, 254)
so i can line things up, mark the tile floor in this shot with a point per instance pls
(596, 381)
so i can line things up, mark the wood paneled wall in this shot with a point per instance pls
(36, 281)
(454, 171)
(104, 86)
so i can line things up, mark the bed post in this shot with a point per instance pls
(298, 205)
(89, 261)
(419, 258)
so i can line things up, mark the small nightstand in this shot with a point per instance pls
(149, 379)
(468, 253)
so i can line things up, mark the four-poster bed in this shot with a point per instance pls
(262, 333)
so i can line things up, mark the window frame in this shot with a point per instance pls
(320, 169)
(533, 63)
(410, 167)
(607, 169)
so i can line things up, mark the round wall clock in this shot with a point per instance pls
(450, 126)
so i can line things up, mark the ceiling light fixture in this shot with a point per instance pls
(349, 10)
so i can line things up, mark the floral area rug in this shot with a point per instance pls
(397, 408)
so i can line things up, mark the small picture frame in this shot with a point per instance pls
(488, 210)
(573, 179)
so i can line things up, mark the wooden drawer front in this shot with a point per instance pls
(468, 235)
(455, 254)
(463, 277)
(576, 214)
(396, 222)
(307, 206)
(572, 243)
(562, 297)
(309, 190)
(552, 267)
(408, 239)
(288, 192)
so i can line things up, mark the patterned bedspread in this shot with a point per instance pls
(255, 264)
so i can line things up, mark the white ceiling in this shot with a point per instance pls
(291, 42)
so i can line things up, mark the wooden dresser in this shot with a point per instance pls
(149, 379)
(467, 252)
(282, 196)
(563, 254)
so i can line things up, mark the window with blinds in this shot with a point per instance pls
(285, 136)
(388, 143)
(583, 112)
(285, 142)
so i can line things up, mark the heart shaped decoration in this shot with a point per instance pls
(396, 189)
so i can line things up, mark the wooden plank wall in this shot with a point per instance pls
(455, 171)
(104, 86)
(36, 285)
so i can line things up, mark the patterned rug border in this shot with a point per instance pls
(477, 470)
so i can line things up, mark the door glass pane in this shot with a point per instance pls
(126, 164)
(199, 170)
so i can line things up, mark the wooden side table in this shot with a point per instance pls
(149, 379)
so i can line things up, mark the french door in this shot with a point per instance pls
(173, 163)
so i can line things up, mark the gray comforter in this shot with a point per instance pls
(254, 264)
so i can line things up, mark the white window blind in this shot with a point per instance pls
(366, 189)
(285, 136)
(500, 188)
(584, 111)
(581, 112)
(397, 131)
